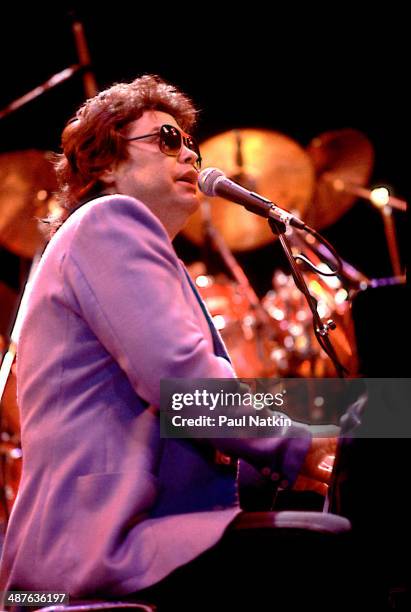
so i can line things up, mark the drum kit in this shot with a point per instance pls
(273, 336)
(268, 337)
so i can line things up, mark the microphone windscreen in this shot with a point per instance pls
(207, 179)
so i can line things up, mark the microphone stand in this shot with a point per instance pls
(321, 330)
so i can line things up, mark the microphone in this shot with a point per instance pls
(213, 182)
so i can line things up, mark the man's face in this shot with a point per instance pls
(165, 184)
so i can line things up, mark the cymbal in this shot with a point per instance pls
(263, 161)
(27, 180)
(341, 158)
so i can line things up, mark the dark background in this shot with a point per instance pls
(252, 69)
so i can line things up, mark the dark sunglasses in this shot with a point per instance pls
(171, 139)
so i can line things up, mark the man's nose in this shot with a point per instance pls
(188, 156)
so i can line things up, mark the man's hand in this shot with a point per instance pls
(316, 470)
(314, 465)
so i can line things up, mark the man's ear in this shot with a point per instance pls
(109, 175)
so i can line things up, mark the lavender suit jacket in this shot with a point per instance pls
(105, 506)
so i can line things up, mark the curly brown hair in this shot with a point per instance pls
(94, 138)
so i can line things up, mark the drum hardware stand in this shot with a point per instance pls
(238, 274)
(391, 238)
(321, 330)
(385, 202)
(83, 67)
